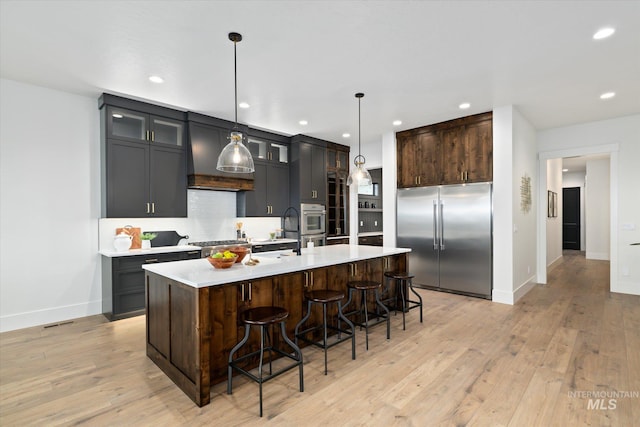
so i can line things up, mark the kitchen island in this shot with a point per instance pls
(193, 309)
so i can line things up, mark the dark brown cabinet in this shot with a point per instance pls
(337, 190)
(123, 282)
(143, 160)
(370, 240)
(457, 151)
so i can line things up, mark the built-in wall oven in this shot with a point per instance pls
(313, 218)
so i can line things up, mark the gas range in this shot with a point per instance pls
(212, 246)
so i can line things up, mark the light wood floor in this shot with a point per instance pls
(471, 362)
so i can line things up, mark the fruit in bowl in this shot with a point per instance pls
(241, 251)
(222, 259)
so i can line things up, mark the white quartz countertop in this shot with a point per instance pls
(200, 273)
(370, 233)
(112, 253)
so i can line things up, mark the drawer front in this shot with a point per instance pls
(124, 303)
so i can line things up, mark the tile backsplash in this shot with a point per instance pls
(211, 215)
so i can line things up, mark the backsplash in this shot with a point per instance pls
(211, 215)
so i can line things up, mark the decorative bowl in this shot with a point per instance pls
(222, 262)
(240, 251)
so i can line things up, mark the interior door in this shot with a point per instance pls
(571, 218)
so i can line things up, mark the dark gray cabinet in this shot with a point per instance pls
(308, 176)
(123, 291)
(143, 160)
(270, 195)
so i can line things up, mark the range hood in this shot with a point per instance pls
(213, 182)
(207, 137)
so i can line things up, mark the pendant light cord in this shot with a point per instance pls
(235, 75)
(359, 99)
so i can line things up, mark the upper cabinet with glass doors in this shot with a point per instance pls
(134, 126)
(268, 150)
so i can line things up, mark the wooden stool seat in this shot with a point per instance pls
(324, 296)
(363, 285)
(398, 275)
(264, 315)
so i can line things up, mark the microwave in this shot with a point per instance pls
(313, 218)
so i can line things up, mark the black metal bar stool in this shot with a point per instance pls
(362, 287)
(404, 280)
(326, 297)
(264, 317)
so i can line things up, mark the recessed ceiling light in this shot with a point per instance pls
(607, 95)
(565, 170)
(117, 115)
(243, 105)
(464, 106)
(397, 122)
(156, 79)
(346, 135)
(303, 122)
(603, 33)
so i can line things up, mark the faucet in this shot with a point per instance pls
(297, 230)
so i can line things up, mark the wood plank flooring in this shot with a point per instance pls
(471, 362)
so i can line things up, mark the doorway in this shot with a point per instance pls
(571, 218)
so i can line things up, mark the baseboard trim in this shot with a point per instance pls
(630, 288)
(51, 315)
(602, 256)
(502, 297)
(523, 289)
(510, 298)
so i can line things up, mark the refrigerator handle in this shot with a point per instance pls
(435, 225)
(441, 223)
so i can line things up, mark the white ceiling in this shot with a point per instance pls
(414, 60)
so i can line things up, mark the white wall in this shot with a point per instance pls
(577, 179)
(503, 190)
(49, 206)
(620, 138)
(524, 239)
(554, 225)
(596, 214)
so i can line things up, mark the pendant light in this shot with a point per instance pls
(360, 176)
(235, 157)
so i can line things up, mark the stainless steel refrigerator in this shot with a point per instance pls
(449, 231)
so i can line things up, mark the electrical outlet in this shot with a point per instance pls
(375, 223)
(361, 223)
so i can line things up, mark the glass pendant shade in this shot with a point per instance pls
(235, 157)
(360, 176)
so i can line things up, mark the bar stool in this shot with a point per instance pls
(326, 297)
(362, 287)
(264, 317)
(404, 280)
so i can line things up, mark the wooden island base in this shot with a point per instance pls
(191, 330)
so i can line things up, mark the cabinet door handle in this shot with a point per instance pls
(306, 280)
(153, 207)
(150, 261)
(250, 287)
(147, 136)
(153, 136)
(242, 293)
(338, 163)
(419, 179)
(148, 207)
